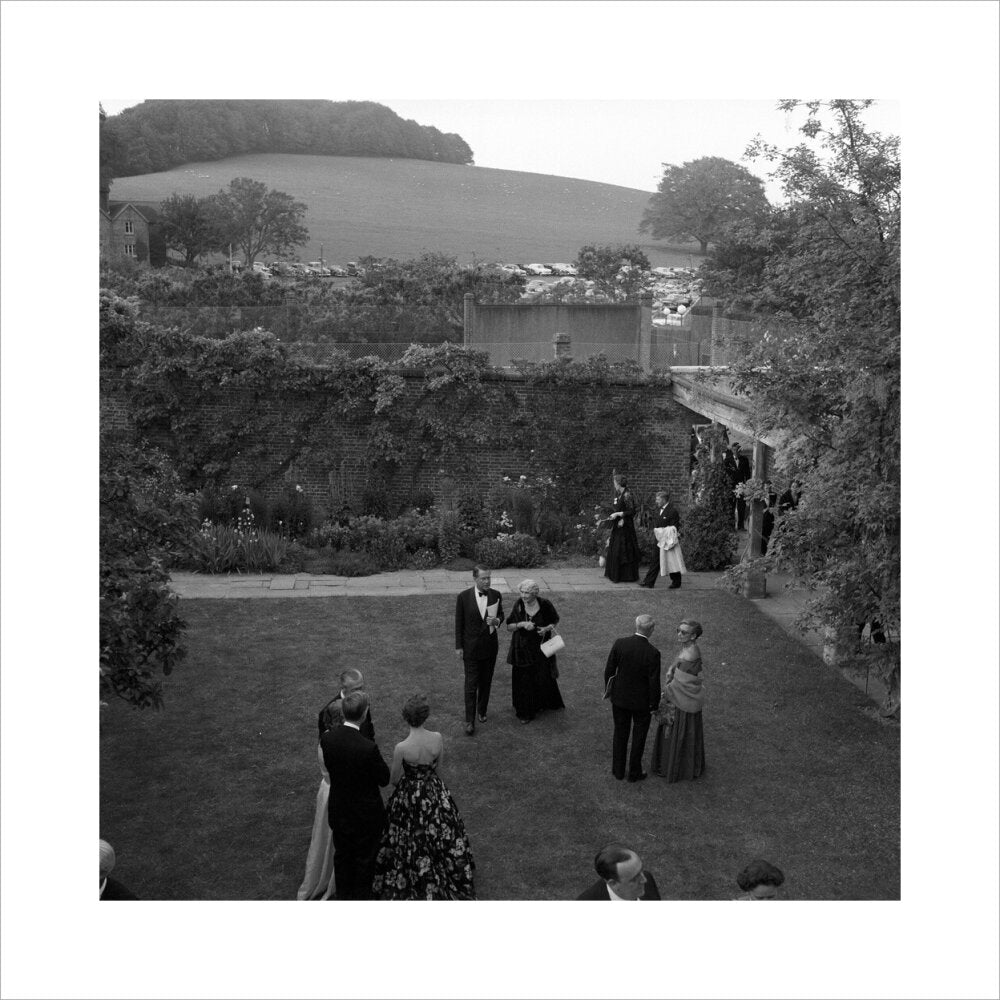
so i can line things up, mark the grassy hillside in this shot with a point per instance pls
(401, 208)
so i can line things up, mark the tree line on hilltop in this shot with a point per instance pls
(159, 135)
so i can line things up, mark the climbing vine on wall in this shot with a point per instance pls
(431, 407)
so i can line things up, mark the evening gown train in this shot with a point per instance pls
(621, 565)
(319, 882)
(425, 851)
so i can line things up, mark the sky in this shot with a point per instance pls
(623, 142)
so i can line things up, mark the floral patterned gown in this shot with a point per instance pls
(425, 852)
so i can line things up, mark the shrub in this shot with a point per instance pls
(347, 563)
(421, 501)
(708, 539)
(550, 528)
(291, 513)
(295, 558)
(424, 559)
(509, 550)
(449, 536)
(375, 498)
(472, 514)
(387, 550)
(219, 548)
(328, 535)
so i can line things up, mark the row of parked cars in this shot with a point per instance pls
(292, 268)
(538, 270)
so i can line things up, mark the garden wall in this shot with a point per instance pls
(339, 475)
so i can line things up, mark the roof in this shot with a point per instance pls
(149, 210)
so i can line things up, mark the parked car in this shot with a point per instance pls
(512, 269)
(352, 268)
(318, 267)
(536, 269)
(261, 268)
(337, 271)
(562, 269)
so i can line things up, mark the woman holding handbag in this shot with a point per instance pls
(533, 676)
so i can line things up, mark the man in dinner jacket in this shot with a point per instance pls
(476, 643)
(664, 516)
(356, 812)
(622, 877)
(635, 664)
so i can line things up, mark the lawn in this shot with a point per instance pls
(213, 797)
(401, 208)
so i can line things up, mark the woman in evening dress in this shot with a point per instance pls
(533, 674)
(679, 746)
(425, 852)
(319, 881)
(622, 559)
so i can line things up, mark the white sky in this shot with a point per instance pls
(622, 142)
(938, 59)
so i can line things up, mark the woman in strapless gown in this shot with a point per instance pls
(679, 745)
(425, 852)
(318, 882)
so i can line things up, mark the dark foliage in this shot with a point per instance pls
(159, 135)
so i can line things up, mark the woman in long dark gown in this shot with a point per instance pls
(425, 851)
(622, 559)
(679, 745)
(533, 676)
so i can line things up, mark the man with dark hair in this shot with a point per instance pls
(634, 663)
(350, 679)
(622, 877)
(356, 813)
(478, 612)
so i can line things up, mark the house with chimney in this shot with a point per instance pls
(129, 229)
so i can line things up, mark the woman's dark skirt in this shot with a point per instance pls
(679, 746)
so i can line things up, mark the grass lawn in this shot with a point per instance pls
(401, 208)
(213, 797)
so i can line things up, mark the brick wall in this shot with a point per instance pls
(334, 481)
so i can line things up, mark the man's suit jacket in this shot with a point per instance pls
(738, 470)
(637, 663)
(472, 635)
(667, 517)
(357, 771)
(599, 890)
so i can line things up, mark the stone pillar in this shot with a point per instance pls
(562, 347)
(645, 358)
(468, 319)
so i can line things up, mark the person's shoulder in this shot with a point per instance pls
(597, 891)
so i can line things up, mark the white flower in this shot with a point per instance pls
(298, 489)
(506, 479)
(235, 486)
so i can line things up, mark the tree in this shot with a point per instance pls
(829, 260)
(701, 199)
(254, 218)
(108, 153)
(619, 271)
(709, 539)
(188, 226)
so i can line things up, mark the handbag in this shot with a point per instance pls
(552, 646)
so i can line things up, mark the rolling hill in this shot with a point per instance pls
(401, 208)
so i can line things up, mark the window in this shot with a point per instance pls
(129, 249)
(129, 228)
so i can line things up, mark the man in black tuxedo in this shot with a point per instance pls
(635, 664)
(356, 813)
(476, 643)
(738, 469)
(622, 877)
(664, 516)
(351, 679)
